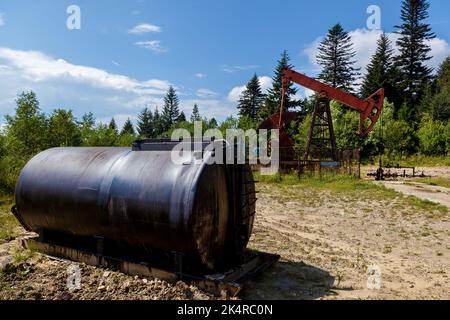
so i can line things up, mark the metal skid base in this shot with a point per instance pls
(231, 281)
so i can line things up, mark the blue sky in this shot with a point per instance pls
(128, 52)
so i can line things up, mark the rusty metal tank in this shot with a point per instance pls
(139, 202)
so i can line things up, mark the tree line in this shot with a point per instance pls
(30, 131)
(415, 118)
(417, 107)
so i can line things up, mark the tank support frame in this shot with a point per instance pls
(231, 282)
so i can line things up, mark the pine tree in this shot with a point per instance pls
(273, 99)
(195, 114)
(251, 99)
(414, 53)
(437, 101)
(171, 110)
(112, 125)
(127, 128)
(158, 125)
(145, 126)
(381, 72)
(182, 117)
(336, 58)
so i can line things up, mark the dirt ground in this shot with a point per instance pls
(327, 238)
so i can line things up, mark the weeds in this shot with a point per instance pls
(352, 188)
(439, 182)
(8, 222)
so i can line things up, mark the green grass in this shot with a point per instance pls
(332, 182)
(352, 189)
(418, 161)
(8, 222)
(440, 182)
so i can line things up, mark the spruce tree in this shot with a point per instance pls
(171, 110)
(336, 56)
(273, 99)
(112, 125)
(158, 125)
(437, 102)
(251, 100)
(414, 33)
(127, 128)
(381, 72)
(182, 117)
(145, 125)
(195, 114)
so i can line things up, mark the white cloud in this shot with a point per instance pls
(153, 45)
(37, 67)
(205, 93)
(200, 75)
(233, 69)
(61, 84)
(115, 63)
(235, 93)
(2, 20)
(145, 28)
(365, 44)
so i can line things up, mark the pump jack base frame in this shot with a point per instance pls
(230, 282)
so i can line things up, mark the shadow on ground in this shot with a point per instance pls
(290, 281)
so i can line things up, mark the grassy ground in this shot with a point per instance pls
(418, 161)
(440, 182)
(353, 189)
(8, 224)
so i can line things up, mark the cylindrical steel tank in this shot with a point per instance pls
(141, 201)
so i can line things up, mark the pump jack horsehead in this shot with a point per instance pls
(369, 109)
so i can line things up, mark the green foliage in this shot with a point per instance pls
(28, 128)
(345, 128)
(171, 112)
(87, 128)
(63, 129)
(27, 133)
(182, 117)
(398, 137)
(113, 126)
(437, 99)
(336, 56)
(382, 73)
(195, 114)
(103, 136)
(415, 49)
(433, 137)
(128, 128)
(230, 123)
(251, 100)
(273, 99)
(146, 124)
(299, 130)
(125, 140)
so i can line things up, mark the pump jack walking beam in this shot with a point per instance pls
(369, 109)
